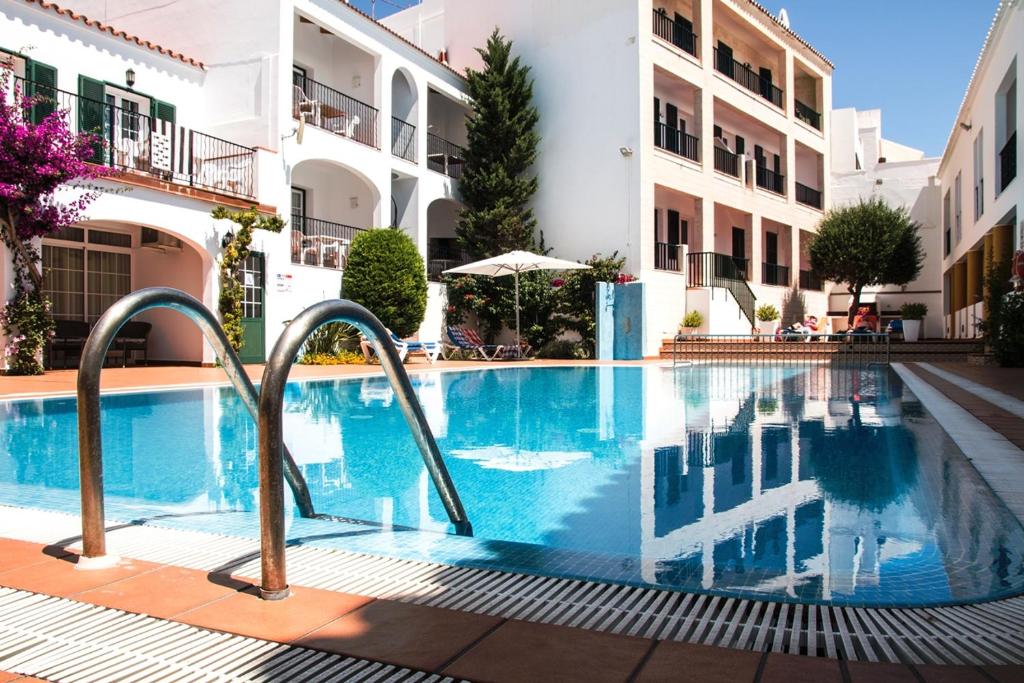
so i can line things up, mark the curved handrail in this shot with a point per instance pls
(274, 585)
(90, 445)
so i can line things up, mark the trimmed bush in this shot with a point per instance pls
(913, 311)
(693, 319)
(767, 313)
(385, 273)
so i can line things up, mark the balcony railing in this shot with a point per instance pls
(727, 162)
(742, 266)
(666, 257)
(1008, 162)
(710, 269)
(334, 111)
(443, 254)
(774, 274)
(807, 114)
(321, 243)
(808, 195)
(130, 141)
(403, 139)
(674, 32)
(748, 78)
(811, 280)
(770, 180)
(676, 141)
(444, 156)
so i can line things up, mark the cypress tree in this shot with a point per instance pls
(496, 185)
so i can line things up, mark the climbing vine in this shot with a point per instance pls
(236, 250)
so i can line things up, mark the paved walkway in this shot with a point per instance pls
(416, 637)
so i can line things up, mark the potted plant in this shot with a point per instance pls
(691, 322)
(912, 315)
(767, 314)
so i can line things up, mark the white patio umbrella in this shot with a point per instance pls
(513, 263)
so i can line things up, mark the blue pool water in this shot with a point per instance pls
(820, 484)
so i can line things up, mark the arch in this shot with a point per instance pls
(330, 187)
(443, 251)
(404, 96)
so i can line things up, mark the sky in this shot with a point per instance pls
(910, 58)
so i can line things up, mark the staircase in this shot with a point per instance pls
(711, 269)
(926, 350)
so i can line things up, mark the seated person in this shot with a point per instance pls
(865, 322)
(813, 327)
(794, 332)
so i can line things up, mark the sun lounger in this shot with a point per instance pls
(463, 339)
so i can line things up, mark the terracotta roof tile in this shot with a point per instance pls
(106, 28)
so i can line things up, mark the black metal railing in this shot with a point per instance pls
(1008, 162)
(811, 280)
(774, 274)
(770, 180)
(444, 156)
(807, 114)
(748, 78)
(710, 269)
(676, 141)
(321, 243)
(324, 107)
(742, 266)
(666, 257)
(808, 195)
(403, 139)
(727, 162)
(785, 349)
(131, 141)
(674, 32)
(442, 254)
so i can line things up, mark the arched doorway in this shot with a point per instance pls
(443, 251)
(403, 112)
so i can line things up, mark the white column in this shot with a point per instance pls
(756, 256)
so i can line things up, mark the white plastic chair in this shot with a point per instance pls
(305, 105)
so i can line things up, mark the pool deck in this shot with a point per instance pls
(352, 636)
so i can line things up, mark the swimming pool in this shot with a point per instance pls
(799, 483)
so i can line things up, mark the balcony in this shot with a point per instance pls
(130, 141)
(674, 32)
(443, 253)
(770, 180)
(1008, 162)
(444, 156)
(808, 196)
(775, 275)
(727, 162)
(811, 280)
(321, 243)
(403, 139)
(666, 257)
(676, 141)
(326, 108)
(807, 114)
(748, 78)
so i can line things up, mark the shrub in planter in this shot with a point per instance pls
(385, 273)
(691, 321)
(912, 315)
(767, 314)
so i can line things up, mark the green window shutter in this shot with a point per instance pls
(91, 113)
(163, 111)
(42, 83)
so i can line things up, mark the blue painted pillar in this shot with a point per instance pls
(605, 317)
(629, 321)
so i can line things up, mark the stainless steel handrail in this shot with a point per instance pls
(274, 584)
(90, 444)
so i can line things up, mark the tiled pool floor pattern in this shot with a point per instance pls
(415, 637)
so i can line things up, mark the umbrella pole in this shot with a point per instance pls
(519, 347)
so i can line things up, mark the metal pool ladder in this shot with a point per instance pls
(275, 462)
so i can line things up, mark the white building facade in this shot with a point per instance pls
(309, 110)
(865, 166)
(675, 133)
(982, 195)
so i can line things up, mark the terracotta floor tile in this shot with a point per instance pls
(869, 672)
(800, 669)
(951, 674)
(522, 651)
(1006, 674)
(246, 614)
(411, 635)
(14, 554)
(685, 662)
(61, 577)
(162, 593)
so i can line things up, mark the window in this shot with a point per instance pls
(957, 206)
(947, 226)
(83, 280)
(979, 176)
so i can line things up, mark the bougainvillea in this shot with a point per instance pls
(37, 159)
